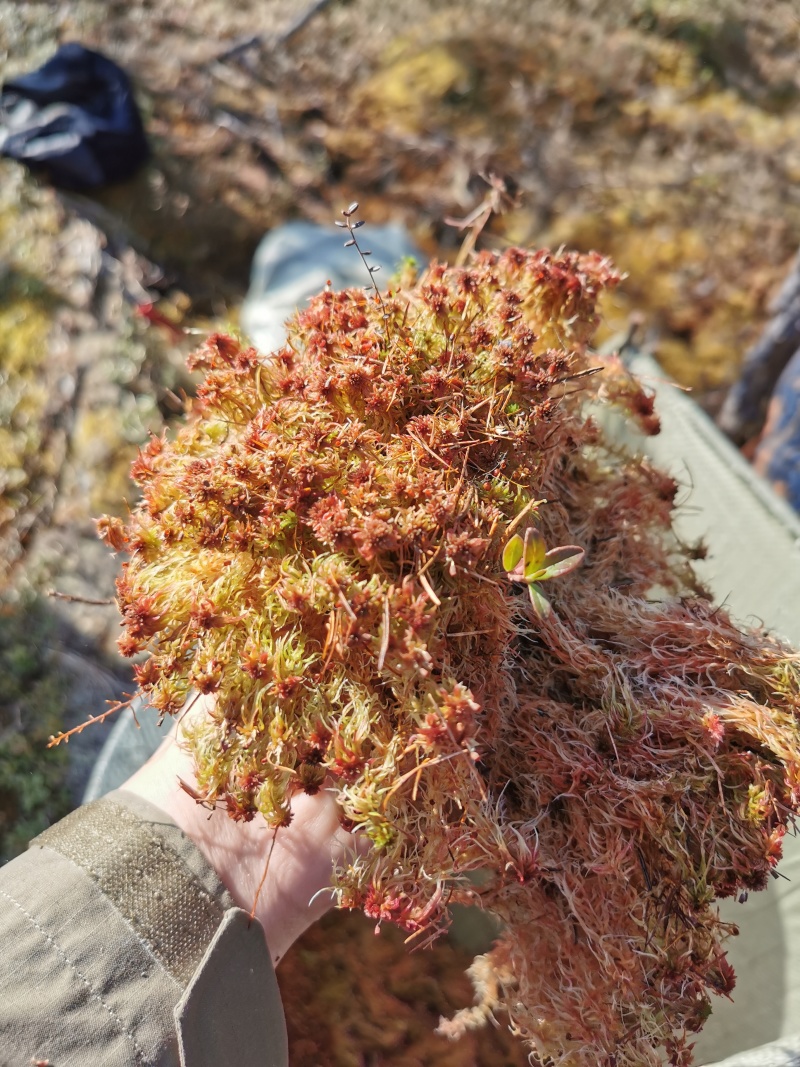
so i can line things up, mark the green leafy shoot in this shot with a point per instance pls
(526, 559)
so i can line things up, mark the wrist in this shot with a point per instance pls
(280, 877)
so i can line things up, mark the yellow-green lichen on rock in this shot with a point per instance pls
(411, 85)
(26, 319)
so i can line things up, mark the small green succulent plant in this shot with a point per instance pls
(526, 559)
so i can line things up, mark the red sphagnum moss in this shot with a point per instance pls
(322, 547)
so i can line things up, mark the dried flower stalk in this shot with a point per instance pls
(328, 547)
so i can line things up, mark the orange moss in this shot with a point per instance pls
(352, 998)
(336, 545)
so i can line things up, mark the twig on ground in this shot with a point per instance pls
(245, 44)
(501, 197)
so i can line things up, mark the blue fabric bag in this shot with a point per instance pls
(74, 120)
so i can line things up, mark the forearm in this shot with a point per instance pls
(127, 908)
(122, 947)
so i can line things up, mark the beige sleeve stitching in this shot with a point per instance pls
(95, 995)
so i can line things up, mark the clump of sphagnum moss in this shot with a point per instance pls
(409, 566)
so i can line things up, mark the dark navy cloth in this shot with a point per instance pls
(74, 119)
(778, 454)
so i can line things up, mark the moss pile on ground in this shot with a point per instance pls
(351, 998)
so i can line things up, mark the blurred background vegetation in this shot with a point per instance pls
(665, 133)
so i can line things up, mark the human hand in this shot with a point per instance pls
(298, 858)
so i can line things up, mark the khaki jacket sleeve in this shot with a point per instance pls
(119, 946)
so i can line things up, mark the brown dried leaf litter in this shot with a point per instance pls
(321, 548)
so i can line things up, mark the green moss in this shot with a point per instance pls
(412, 82)
(26, 315)
(33, 791)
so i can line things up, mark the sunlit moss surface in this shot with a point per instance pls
(329, 546)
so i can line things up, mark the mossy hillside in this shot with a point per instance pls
(627, 126)
(634, 131)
